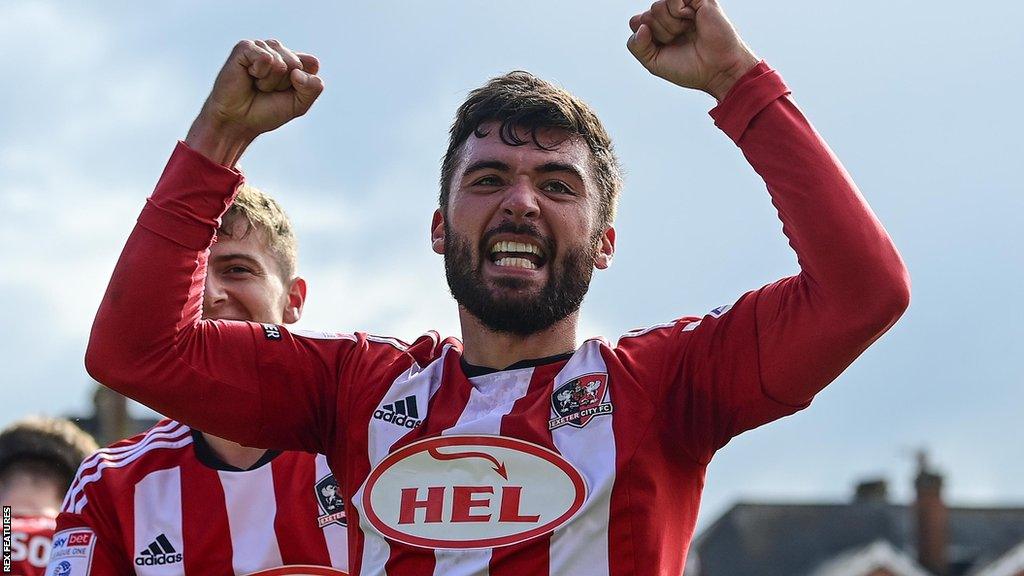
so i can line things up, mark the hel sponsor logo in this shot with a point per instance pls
(400, 412)
(461, 492)
(158, 553)
(271, 331)
(332, 507)
(577, 401)
(63, 568)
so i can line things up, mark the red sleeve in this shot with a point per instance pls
(81, 547)
(852, 284)
(768, 354)
(255, 384)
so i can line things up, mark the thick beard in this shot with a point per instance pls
(517, 311)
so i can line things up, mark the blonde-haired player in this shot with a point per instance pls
(175, 500)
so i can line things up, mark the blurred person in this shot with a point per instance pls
(521, 450)
(38, 459)
(174, 500)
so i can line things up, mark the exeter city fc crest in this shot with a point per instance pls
(577, 401)
(332, 507)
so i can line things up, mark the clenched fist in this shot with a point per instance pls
(262, 86)
(690, 43)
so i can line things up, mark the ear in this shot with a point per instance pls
(606, 250)
(296, 300)
(437, 232)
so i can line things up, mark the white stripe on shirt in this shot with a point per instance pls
(336, 536)
(591, 449)
(159, 493)
(252, 507)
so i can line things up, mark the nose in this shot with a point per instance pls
(214, 294)
(520, 201)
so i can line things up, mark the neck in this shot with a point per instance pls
(30, 496)
(485, 347)
(233, 453)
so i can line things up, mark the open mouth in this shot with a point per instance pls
(513, 254)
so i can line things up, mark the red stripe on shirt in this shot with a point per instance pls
(201, 517)
(295, 480)
(446, 406)
(528, 420)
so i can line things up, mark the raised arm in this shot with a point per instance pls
(149, 341)
(262, 86)
(852, 286)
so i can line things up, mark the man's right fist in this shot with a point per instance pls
(261, 87)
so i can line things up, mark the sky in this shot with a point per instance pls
(919, 100)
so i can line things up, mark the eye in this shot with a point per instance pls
(557, 187)
(488, 181)
(237, 270)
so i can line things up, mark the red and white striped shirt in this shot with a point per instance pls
(153, 505)
(589, 463)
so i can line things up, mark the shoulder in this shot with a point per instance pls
(653, 349)
(421, 352)
(675, 327)
(657, 331)
(118, 466)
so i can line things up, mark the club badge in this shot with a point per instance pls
(328, 495)
(579, 400)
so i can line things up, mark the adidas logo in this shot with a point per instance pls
(402, 413)
(158, 553)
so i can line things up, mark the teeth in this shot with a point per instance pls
(511, 247)
(516, 263)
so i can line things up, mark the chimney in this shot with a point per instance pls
(932, 518)
(111, 415)
(874, 491)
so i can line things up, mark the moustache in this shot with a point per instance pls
(524, 229)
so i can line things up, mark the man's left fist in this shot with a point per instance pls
(690, 43)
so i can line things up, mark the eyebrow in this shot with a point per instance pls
(550, 167)
(546, 168)
(487, 165)
(238, 256)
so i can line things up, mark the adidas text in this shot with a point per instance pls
(399, 419)
(158, 553)
(402, 412)
(158, 560)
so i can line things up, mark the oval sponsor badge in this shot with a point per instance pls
(297, 570)
(460, 492)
